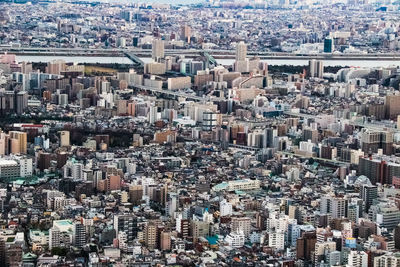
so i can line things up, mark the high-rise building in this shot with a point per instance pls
(315, 68)
(186, 33)
(56, 66)
(385, 216)
(18, 142)
(199, 229)
(396, 236)
(328, 45)
(357, 259)
(368, 193)
(135, 194)
(305, 246)
(241, 51)
(386, 260)
(241, 224)
(378, 170)
(338, 207)
(225, 208)
(371, 141)
(79, 235)
(54, 237)
(392, 103)
(22, 102)
(157, 51)
(64, 138)
(126, 223)
(165, 241)
(150, 235)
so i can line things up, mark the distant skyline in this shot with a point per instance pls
(172, 2)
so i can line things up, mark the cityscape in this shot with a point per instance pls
(200, 133)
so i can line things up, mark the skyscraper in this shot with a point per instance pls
(18, 142)
(79, 235)
(64, 138)
(186, 33)
(150, 235)
(368, 194)
(328, 45)
(338, 207)
(316, 68)
(157, 51)
(241, 51)
(126, 223)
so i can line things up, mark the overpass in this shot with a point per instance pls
(177, 94)
(213, 54)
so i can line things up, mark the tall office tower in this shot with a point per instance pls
(328, 45)
(121, 42)
(22, 102)
(79, 235)
(357, 259)
(18, 142)
(368, 193)
(241, 51)
(269, 136)
(316, 68)
(186, 33)
(64, 138)
(157, 51)
(152, 114)
(126, 223)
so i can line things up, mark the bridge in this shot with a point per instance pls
(134, 58)
(190, 53)
(177, 94)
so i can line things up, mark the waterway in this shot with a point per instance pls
(279, 62)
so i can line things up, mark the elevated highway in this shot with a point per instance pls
(215, 53)
(177, 94)
(370, 126)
